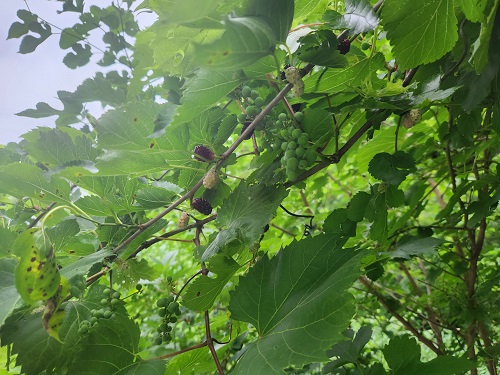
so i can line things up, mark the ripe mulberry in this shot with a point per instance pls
(202, 206)
(203, 153)
(344, 46)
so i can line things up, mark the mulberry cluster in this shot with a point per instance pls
(344, 46)
(203, 153)
(210, 179)
(183, 220)
(202, 206)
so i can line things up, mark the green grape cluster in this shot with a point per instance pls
(169, 311)
(292, 142)
(109, 302)
(252, 103)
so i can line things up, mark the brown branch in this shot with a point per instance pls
(210, 344)
(283, 230)
(369, 286)
(173, 354)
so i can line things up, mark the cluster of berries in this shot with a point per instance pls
(292, 75)
(169, 311)
(109, 302)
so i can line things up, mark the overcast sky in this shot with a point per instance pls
(28, 79)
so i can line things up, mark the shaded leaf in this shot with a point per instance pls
(416, 247)
(298, 303)
(8, 292)
(358, 17)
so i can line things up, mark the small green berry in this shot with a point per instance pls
(282, 117)
(162, 302)
(299, 116)
(104, 301)
(259, 102)
(365, 46)
(169, 279)
(158, 340)
(138, 287)
(107, 314)
(254, 94)
(116, 295)
(242, 117)
(296, 133)
(246, 91)
(162, 312)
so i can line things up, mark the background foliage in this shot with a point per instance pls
(273, 187)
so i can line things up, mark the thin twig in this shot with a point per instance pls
(41, 215)
(210, 344)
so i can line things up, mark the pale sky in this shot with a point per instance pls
(28, 79)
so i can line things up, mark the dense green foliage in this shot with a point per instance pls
(274, 187)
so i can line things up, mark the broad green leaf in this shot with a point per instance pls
(298, 303)
(80, 57)
(416, 247)
(82, 266)
(42, 110)
(172, 46)
(183, 11)
(128, 128)
(59, 146)
(147, 233)
(8, 292)
(8, 237)
(204, 90)
(318, 123)
(244, 215)
(338, 80)
(403, 357)
(61, 234)
(37, 274)
(278, 13)
(348, 351)
(339, 223)
(130, 271)
(25, 180)
(202, 292)
(486, 40)
(145, 367)
(359, 17)
(392, 169)
(427, 26)
(357, 206)
(199, 359)
(310, 10)
(245, 41)
(473, 9)
(153, 197)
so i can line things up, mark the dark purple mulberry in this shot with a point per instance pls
(203, 153)
(246, 124)
(202, 206)
(344, 46)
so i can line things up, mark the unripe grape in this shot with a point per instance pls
(107, 314)
(290, 153)
(292, 163)
(162, 302)
(254, 94)
(300, 151)
(296, 133)
(242, 117)
(284, 146)
(284, 133)
(282, 117)
(173, 306)
(259, 102)
(246, 91)
(299, 116)
(365, 46)
(158, 340)
(116, 295)
(292, 145)
(251, 111)
(303, 140)
(303, 164)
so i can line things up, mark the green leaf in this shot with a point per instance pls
(357, 206)
(359, 17)
(199, 359)
(298, 303)
(59, 146)
(348, 351)
(202, 292)
(392, 169)
(8, 292)
(473, 9)
(42, 110)
(427, 26)
(80, 57)
(278, 13)
(154, 197)
(338, 80)
(204, 90)
(403, 357)
(244, 215)
(416, 247)
(61, 234)
(183, 11)
(22, 180)
(486, 40)
(82, 266)
(338, 223)
(8, 237)
(128, 128)
(318, 123)
(245, 41)
(145, 367)
(37, 274)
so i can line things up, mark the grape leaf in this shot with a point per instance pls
(146, 367)
(8, 237)
(80, 57)
(358, 17)
(403, 357)
(81, 266)
(8, 292)
(317, 123)
(473, 9)
(428, 26)
(199, 359)
(61, 234)
(202, 292)
(298, 303)
(244, 215)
